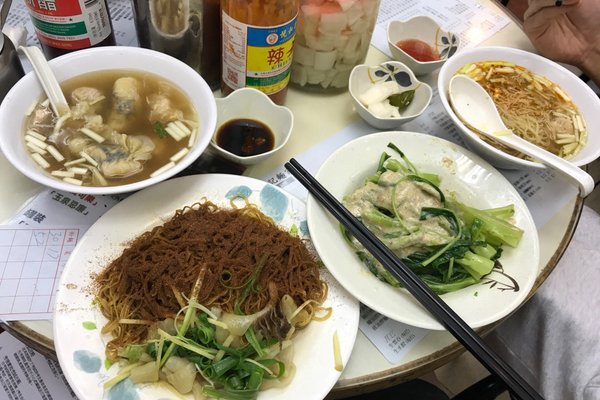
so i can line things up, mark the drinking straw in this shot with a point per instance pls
(429, 299)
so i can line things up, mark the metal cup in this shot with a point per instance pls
(189, 30)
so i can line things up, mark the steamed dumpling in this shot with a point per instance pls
(162, 110)
(120, 156)
(87, 102)
(124, 158)
(126, 103)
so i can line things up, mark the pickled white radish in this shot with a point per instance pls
(320, 42)
(360, 25)
(351, 48)
(299, 74)
(333, 23)
(314, 77)
(384, 110)
(365, 41)
(378, 93)
(324, 60)
(329, 76)
(346, 4)
(341, 79)
(354, 13)
(340, 42)
(339, 33)
(303, 55)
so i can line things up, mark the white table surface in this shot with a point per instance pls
(318, 117)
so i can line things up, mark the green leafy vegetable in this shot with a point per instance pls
(233, 363)
(89, 325)
(450, 246)
(402, 100)
(160, 130)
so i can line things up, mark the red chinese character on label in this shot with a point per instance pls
(275, 56)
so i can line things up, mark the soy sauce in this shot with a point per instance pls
(245, 137)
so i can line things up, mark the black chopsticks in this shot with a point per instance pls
(431, 301)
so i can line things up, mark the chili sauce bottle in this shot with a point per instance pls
(257, 45)
(63, 26)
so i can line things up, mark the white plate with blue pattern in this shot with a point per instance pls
(77, 321)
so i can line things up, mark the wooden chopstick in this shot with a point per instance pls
(430, 300)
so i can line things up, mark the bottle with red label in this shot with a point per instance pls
(63, 26)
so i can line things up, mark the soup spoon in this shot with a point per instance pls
(474, 106)
(47, 79)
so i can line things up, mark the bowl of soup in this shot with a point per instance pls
(538, 99)
(136, 117)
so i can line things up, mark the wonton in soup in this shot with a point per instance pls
(122, 127)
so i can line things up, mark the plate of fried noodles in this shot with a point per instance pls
(450, 216)
(202, 287)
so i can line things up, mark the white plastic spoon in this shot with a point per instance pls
(47, 79)
(477, 110)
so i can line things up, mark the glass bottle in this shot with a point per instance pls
(333, 36)
(258, 39)
(187, 30)
(63, 26)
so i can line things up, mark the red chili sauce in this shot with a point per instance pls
(419, 50)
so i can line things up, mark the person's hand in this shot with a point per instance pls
(567, 33)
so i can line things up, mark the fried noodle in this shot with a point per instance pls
(149, 280)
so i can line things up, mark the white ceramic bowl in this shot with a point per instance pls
(28, 90)
(429, 31)
(472, 180)
(575, 88)
(249, 103)
(364, 77)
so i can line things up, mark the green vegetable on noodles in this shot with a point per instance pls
(229, 371)
(448, 244)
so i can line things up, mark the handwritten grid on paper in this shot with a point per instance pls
(31, 261)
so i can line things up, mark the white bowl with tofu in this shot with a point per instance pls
(136, 118)
(388, 95)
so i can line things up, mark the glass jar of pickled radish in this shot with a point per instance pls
(332, 37)
(258, 40)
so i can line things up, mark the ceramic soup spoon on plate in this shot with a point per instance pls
(477, 110)
(47, 79)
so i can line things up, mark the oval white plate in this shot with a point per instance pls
(474, 182)
(81, 351)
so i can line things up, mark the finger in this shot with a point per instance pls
(536, 6)
(545, 17)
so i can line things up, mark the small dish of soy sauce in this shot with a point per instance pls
(250, 127)
(245, 137)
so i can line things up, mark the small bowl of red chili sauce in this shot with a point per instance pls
(250, 127)
(421, 44)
